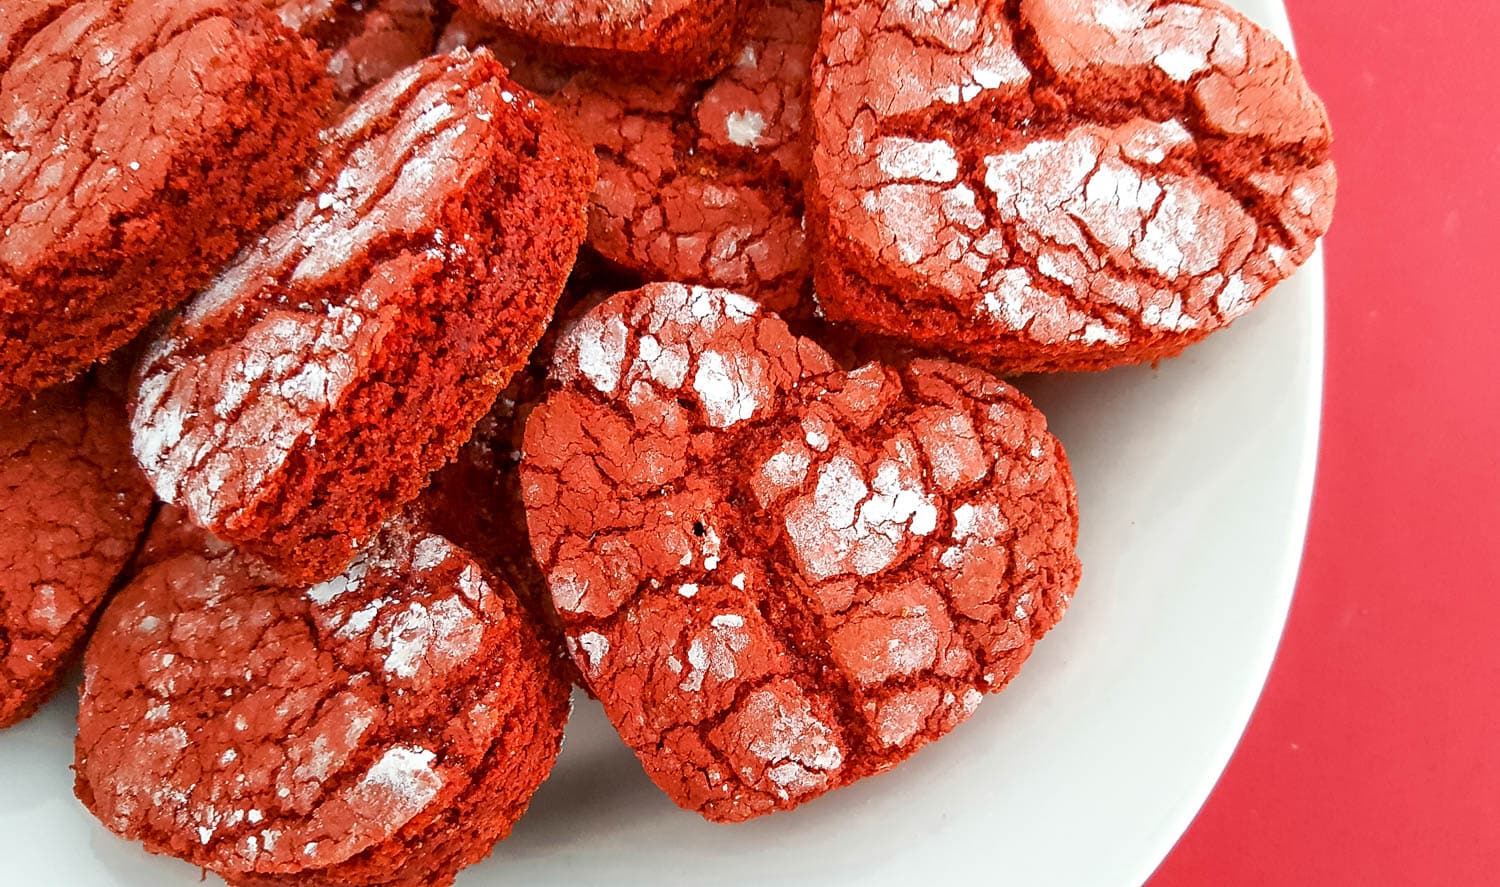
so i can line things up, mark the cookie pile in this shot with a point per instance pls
(373, 372)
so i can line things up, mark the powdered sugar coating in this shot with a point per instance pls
(289, 734)
(1060, 184)
(293, 365)
(401, 784)
(753, 592)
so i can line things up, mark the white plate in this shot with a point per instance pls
(1194, 482)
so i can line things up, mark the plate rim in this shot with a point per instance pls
(1289, 570)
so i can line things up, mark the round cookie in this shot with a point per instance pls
(1059, 185)
(73, 505)
(307, 395)
(777, 576)
(685, 38)
(141, 143)
(702, 182)
(387, 727)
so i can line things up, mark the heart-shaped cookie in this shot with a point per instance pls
(141, 144)
(779, 577)
(1059, 184)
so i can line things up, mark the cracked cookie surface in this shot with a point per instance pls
(1070, 184)
(777, 576)
(73, 505)
(306, 395)
(384, 728)
(141, 144)
(702, 182)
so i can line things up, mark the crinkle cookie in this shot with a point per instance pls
(702, 182)
(777, 576)
(73, 505)
(1058, 184)
(141, 144)
(307, 395)
(387, 727)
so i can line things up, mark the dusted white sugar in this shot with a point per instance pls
(713, 653)
(568, 590)
(913, 645)
(211, 429)
(595, 646)
(353, 576)
(729, 388)
(744, 128)
(786, 468)
(849, 525)
(430, 552)
(904, 158)
(599, 349)
(799, 748)
(667, 367)
(404, 779)
(435, 636)
(903, 713)
(44, 610)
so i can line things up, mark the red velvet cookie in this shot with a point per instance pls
(140, 144)
(675, 37)
(366, 42)
(1059, 184)
(306, 396)
(777, 576)
(72, 508)
(702, 182)
(383, 728)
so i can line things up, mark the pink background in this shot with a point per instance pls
(1374, 756)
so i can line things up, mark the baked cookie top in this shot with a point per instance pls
(352, 730)
(777, 576)
(1060, 185)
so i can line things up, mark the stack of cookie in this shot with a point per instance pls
(370, 373)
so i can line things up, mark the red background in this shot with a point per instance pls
(1374, 756)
